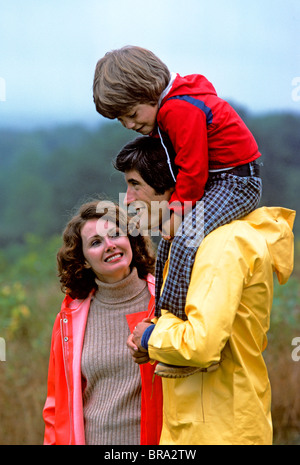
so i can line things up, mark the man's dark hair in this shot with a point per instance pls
(147, 156)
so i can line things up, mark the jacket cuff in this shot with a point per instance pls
(146, 336)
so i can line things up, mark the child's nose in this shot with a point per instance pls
(128, 123)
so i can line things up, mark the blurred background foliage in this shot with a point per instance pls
(44, 175)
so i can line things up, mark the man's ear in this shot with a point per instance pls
(170, 191)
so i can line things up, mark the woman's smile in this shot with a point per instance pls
(114, 257)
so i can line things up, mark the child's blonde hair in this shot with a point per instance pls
(128, 77)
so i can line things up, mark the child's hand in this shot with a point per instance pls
(170, 226)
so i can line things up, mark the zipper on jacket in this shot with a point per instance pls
(65, 345)
(150, 311)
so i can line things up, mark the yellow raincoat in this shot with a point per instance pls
(228, 307)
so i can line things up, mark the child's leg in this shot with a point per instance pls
(226, 198)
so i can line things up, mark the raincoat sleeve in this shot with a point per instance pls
(217, 281)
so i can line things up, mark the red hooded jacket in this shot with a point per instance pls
(63, 410)
(205, 131)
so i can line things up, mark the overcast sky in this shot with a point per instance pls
(249, 50)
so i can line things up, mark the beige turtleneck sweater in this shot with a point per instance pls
(112, 397)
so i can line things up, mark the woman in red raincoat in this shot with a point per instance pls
(96, 394)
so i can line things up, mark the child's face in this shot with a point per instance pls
(141, 118)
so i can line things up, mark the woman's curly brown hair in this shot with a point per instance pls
(75, 279)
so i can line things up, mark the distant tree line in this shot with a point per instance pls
(44, 174)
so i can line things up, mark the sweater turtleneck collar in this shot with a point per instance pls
(121, 291)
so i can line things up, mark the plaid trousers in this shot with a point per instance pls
(226, 198)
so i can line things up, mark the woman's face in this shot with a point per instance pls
(107, 252)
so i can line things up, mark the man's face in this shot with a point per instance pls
(152, 208)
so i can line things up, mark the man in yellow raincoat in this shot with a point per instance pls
(228, 310)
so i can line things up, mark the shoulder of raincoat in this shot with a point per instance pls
(63, 410)
(228, 308)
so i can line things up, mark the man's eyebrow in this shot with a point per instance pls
(131, 180)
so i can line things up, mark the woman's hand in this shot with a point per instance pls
(138, 353)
